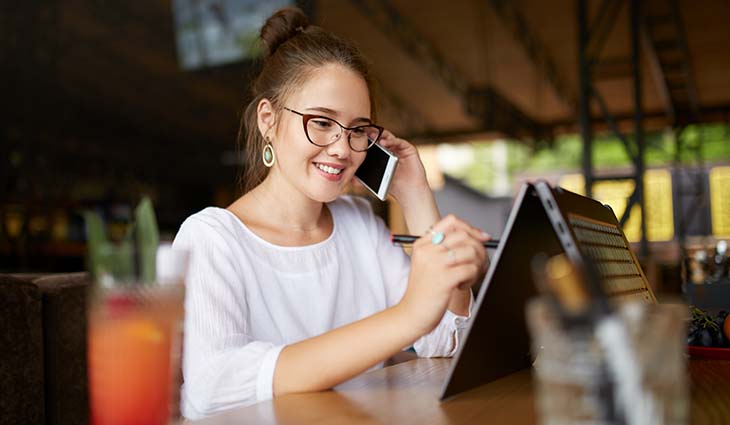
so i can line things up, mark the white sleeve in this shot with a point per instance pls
(223, 367)
(442, 341)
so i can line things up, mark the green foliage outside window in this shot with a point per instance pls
(708, 143)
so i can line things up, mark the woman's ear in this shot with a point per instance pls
(266, 116)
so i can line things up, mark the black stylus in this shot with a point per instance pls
(409, 239)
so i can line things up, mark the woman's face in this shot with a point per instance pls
(321, 173)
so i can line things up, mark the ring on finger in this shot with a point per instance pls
(436, 237)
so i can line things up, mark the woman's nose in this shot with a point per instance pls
(340, 147)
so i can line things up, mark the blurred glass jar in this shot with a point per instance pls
(574, 383)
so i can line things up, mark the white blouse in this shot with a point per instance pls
(247, 298)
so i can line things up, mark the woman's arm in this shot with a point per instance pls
(324, 361)
(410, 187)
(412, 192)
(420, 212)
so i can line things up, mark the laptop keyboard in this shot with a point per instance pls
(606, 246)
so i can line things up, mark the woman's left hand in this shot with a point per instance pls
(409, 175)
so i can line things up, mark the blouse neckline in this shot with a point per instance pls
(263, 241)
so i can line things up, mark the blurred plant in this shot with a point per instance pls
(133, 258)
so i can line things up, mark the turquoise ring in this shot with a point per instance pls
(437, 237)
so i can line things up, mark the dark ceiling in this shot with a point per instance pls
(97, 81)
(96, 110)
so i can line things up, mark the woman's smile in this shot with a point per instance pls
(330, 171)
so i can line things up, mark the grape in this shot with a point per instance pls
(718, 339)
(693, 338)
(719, 321)
(705, 329)
(692, 328)
(705, 338)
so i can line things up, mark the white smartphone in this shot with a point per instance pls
(377, 170)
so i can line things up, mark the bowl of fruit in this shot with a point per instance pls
(708, 335)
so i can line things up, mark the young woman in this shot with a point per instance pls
(293, 287)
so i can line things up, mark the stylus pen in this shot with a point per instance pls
(409, 239)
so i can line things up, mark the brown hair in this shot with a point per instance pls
(294, 49)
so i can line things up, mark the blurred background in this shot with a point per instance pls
(626, 101)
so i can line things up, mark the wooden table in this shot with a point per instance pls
(407, 393)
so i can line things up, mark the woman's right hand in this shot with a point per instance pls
(438, 270)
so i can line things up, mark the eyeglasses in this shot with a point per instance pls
(322, 131)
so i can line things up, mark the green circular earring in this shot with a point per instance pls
(268, 155)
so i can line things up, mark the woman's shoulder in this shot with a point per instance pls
(211, 223)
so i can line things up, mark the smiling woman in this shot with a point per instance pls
(295, 287)
(309, 147)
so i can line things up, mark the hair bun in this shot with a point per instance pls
(283, 25)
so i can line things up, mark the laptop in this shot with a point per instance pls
(545, 220)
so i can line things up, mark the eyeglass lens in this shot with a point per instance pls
(323, 131)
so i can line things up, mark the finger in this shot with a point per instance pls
(385, 142)
(394, 144)
(478, 233)
(466, 238)
(468, 250)
(455, 234)
(479, 250)
(432, 235)
(448, 223)
(434, 257)
(386, 139)
(465, 254)
(456, 238)
(430, 240)
(463, 275)
(422, 241)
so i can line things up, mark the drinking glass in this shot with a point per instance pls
(574, 383)
(134, 338)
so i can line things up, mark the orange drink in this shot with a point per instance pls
(134, 353)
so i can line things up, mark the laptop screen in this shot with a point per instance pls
(543, 220)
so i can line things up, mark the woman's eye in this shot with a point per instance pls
(322, 123)
(359, 132)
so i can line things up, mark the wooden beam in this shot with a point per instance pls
(502, 116)
(536, 50)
